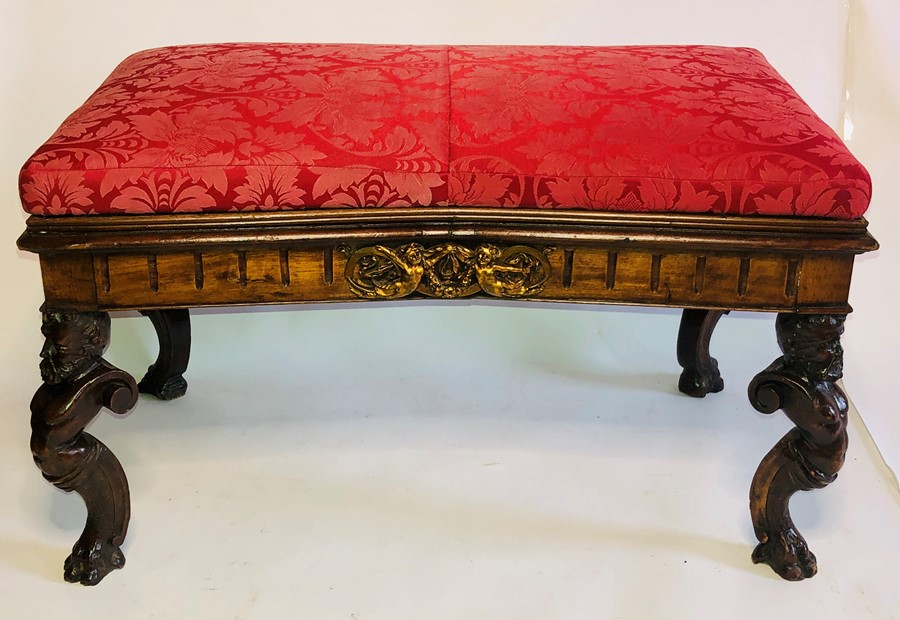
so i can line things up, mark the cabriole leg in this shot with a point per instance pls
(701, 371)
(802, 384)
(77, 384)
(165, 378)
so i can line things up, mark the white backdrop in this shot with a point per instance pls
(52, 60)
(873, 108)
(53, 56)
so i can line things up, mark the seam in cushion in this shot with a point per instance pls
(449, 125)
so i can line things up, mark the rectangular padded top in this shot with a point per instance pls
(252, 127)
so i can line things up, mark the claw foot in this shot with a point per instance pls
(788, 556)
(170, 389)
(698, 384)
(88, 565)
(701, 371)
(165, 377)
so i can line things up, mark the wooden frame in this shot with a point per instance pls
(730, 263)
(164, 264)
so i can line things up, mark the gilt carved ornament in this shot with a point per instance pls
(448, 270)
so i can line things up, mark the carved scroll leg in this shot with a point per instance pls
(77, 384)
(701, 371)
(802, 384)
(165, 378)
(86, 466)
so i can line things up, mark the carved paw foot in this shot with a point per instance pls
(90, 563)
(169, 389)
(788, 556)
(701, 371)
(802, 383)
(698, 383)
(165, 378)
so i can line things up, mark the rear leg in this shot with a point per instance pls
(165, 378)
(701, 371)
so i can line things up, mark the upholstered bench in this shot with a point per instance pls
(218, 175)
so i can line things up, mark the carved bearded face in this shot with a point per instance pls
(812, 344)
(73, 345)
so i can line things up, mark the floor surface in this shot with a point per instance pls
(359, 464)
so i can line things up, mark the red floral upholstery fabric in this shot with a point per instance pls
(252, 127)
(282, 126)
(686, 129)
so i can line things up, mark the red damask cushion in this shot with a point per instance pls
(280, 126)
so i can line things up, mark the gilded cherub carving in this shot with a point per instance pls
(380, 272)
(448, 270)
(516, 272)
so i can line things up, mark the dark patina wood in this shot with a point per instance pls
(78, 383)
(701, 371)
(165, 377)
(164, 264)
(802, 384)
(726, 263)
